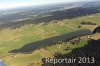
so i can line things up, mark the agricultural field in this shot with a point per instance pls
(16, 38)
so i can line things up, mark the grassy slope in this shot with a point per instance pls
(15, 38)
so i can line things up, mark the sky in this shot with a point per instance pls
(4, 4)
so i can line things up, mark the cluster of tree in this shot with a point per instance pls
(88, 23)
(75, 41)
(97, 30)
(92, 49)
(50, 41)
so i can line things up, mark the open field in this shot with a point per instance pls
(36, 56)
(16, 38)
(96, 36)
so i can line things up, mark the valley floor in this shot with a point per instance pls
(16, 38)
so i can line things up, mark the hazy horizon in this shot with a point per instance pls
(6, 4)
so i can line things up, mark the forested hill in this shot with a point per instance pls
(57, 15)
(69, 14)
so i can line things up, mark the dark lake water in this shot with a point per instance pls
(50, 41)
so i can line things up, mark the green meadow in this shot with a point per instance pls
(16, 38)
